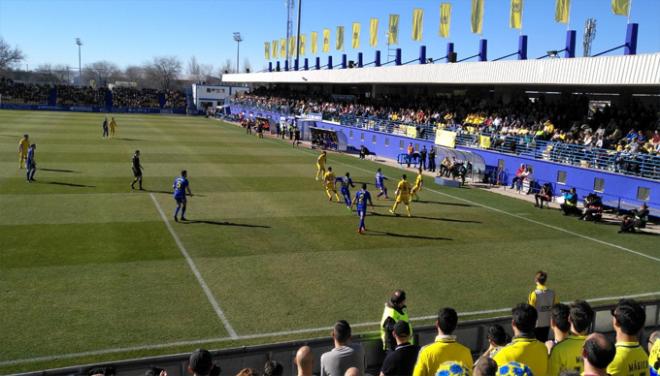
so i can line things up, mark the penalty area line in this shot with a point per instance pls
(209, 294)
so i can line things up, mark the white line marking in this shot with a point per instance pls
(523, 218)
(271, 334)
(198, 275)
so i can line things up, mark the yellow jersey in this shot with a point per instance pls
(321, 160)
(418, 180)
(329, 178)
(567, 356)
(654, 356)
(528, 351)
(403, 188)
(444, 349)
(24, 145)
(630, 360)
(113, 123)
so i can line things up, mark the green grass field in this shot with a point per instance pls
(90, 272)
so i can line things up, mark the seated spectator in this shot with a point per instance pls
(519, 176)
(544, 195)
(637, 218)
(524, 348)
(628, 318)
(304, 361)
(566, 355)
(344, 355)
(200, 363)
(445, 348)
(485, 367)
(401, 361)
(597, 353)
(273, 368)
(569, 207)
(593, 208)
(559, 325)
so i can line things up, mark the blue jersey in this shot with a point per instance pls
(180, 185)
(345, 182)
(380, 180)
(362, 198)
(30, 155)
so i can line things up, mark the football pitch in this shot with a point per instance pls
(91, 271)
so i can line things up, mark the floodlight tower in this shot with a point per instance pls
(79, 44)
(290, 8)
(589, 36)
(238, 39)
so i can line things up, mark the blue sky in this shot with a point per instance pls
(131, 32)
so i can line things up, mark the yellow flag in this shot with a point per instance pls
(292, 46)
(477, 16)
(355, 42)
(621, 7)
(275, 49)
(267, 50)
(445, 19)
(393, 31)
(562, 11)
(340, 38)
(418, 24)
(515, 19)
(301, 44)
(326, 40)
(283, 48)
(314, 42)
(373, 32)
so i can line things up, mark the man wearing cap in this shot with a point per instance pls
(402, 360)
(201, 363)
(395, 311)
(344, 355)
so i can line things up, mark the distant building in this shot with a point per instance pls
(206, 96)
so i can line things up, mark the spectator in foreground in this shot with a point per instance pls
(344, 355)
(628, 318)
(401, 361)
(395, 311)
(524, 348)
(485, 367)
(559, 325)
(597, 353)
(497, 339)
(304, 361)
(542, 299)
(566, 355)
(200, 363)
(353, 371)
(654, 353)
(248, 372)
(273, 368)
(445, 348)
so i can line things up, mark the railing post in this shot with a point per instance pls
(422, 54)
(570, 44)
(270, 66)
(295, 64)
(397, 57)
(306, 64)
(377, 59)
(522, 47)
(450, 51)
(329, 62)
(286, 65)
(359, 62)
(344, 61)
(631, 39)
(318, 63)
(483, 50)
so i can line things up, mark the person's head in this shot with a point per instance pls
(378, 170)
(524, 318)
(25, 136)
(248, 372)
(598, 351)
(324, 152)
(348, 175)
(304, 360)
(404, 177)
(447, 320)
(364, 186)
(398, 298)
(330, 169)
(485, 367)
(628, 317)
(184, 173)
(341, 332)
(573, 190)
(353, 371)
(559, 317)
(496, 335)
(273, 368)
(541, 277)
(200, 362)
(401, 331)
(137, 152)
(33, 146)
(581, 316)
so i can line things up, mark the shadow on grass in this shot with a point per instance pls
(407, 236)
(58, 170)
(218, 223)
(127, 139)
(444, 203)
(69, 184)
(422, 217)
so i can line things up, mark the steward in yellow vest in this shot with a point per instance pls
(395, 311)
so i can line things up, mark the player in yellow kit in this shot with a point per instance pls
(23, 146)
(419, 181)
(320, 165)
(113, 126)
(402, 195)
(329, 181)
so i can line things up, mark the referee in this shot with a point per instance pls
(137, 170)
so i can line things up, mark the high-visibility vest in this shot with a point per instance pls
(396, 316)
(544, 301)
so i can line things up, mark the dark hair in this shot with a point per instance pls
(447, 320)
(524, 317)
(541, 277)
(497, 334)
(364, 185)
(106, 371)
(347, 174)
(153, 371)
(342, 331)
(329, 168)
(559, 314)
(404, 176)
(184, 172)
(273, 368)
(486, 367)
(599, 351)
(398, 296)
(581, 315)
(201, 362)
(630, 316)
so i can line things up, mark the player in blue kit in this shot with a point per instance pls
(362, 198)
(346, 182)
(380, 184)
(181, 186)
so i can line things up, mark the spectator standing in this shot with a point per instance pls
(432, 159)
(273, 368)
(344, 355)
(524, 348)
(597, 353)
(497, 339)
(410, 151)
(566, 355)
(422, 157)
(395, 311)
(542, 299)
(401, 361)
(628, 318)
(654, 353)
(558, 324)
(445, 348)
(304, 361)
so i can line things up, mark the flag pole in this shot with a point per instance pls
(629, 10)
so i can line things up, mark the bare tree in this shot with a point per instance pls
(101, 72)
(224, 68)
(164, 70)
(247, 67)
(134, 73)
(9, 57)
(194, 69)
